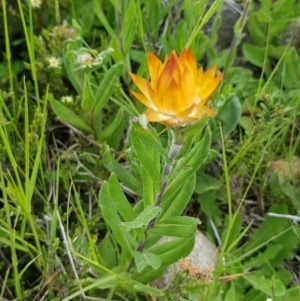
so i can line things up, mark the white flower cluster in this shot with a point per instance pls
(67, 99)
(54, 62)
(35, 3)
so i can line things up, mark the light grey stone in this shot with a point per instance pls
(204, 255)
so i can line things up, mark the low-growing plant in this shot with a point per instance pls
(99, 197)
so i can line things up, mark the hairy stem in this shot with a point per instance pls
(167, 169)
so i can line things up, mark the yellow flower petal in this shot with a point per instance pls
(208, 87)
(171, 100)
(211, 72)
(199, 72)
(144, 100)
(188, 88)
(188, 60)
(155, 67)
(177, 92)
(141, 83)
(201, 111)
(155, 116)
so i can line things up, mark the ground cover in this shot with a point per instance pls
(88, 187)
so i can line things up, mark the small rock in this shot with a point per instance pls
(203, 258)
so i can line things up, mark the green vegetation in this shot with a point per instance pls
(79, 176)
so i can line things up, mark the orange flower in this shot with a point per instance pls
(177, 92)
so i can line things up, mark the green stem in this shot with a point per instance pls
(229, 200)
(167, 169)
(8, 58)
(12, 236)
(30, 48)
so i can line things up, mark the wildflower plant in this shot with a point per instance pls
(81, 65)
(94, 207)
(178, 92)
(177, 96)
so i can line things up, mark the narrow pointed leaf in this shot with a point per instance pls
(124, 175)
(179, 226)
(172, 250)
(142, 220)
(169, 252)
(69, 51)
(111, 127)
(175, 206)
(144, 156)
(111, 217)
(150, 138)
(120, 200)
(143, 259)
(129, 26)
(69, 116)
(88, 97)
(189, 165)
(107, 87)
(122, 204)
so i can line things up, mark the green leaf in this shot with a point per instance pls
(115, 44)
(194, 129)
(271, 227)
(268, 286)
(291, 191)
(143, 259)
(229, 115)
(255, 55)
(209, 205)
(247, 124)
(178, 226)
(146, 289)
(149, 191)
(102, 135)
(187, 145)
(235, 229)
(166, 44)
(107, 87)
(290, 67)
(150, 138)
(124, 175)
(257, 32)
(174, 207)
(122, 204)
(129, 26)
(197, 156)
(152, 7)
(169, 252)
(267, 255)
(70, 49)
(144, 156)
(182, 33)
(154, 148)
(87, 16)
(120, 200)
(142, 220)
(69, 116)
(112, 219)
(189, 164)
(88, 97)
(101, 16)
(233, 293)
(117, 138)
(108, 252)
(104, 282)
(206, 182)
